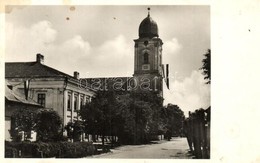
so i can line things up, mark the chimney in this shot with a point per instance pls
(76, 74)
(40, 58)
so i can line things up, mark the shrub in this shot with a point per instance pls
(48, 125)
(22, 119)
(46, 122)
(47, 150)
(10, 152)
(77, 149)
(75, 130)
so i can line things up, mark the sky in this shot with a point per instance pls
(97, 41)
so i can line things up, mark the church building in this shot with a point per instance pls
(148, 68)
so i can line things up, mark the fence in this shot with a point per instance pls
(197, 131)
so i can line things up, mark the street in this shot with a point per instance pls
(176, 148)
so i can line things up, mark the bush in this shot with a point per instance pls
(46, 122)
(22, 119)
(48, 125)
(76, 150)
(47, 150)
(10, 152)
(75, 130)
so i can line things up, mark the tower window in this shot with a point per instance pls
(41, 99)
(146, 58)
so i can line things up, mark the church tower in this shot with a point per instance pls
(148, 68)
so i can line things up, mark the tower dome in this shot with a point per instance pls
(148, 27)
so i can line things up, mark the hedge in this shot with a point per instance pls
(47, 150)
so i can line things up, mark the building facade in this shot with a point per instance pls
(15, 101)
(49, 87)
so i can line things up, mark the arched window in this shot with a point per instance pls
(146, 58)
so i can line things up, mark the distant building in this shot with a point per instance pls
(13, 102)
(49, 87)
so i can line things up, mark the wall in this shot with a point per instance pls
(56, 94)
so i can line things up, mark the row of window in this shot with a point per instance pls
(42, 101)
(75, 102)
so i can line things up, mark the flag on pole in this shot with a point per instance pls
(162, 69)
(26, 88)
(167, 75)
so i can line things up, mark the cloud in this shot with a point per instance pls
(70, 55)
(77, 42)
(171, 48)
(111, 58)
(74, 47)
(22, 43)
(118, 46)
(43, 32)
(189, 94)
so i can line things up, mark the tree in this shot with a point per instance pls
(140, 114)
(48, 125)
(98, 115)
(131, 116)
(75, 130)
(45, 122)
(22, 120)
(206, 67)
(173, 118)
(138, 122)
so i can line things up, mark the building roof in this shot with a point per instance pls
(107, 84)
(15, 96)
(148, 28)
(31, 69)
